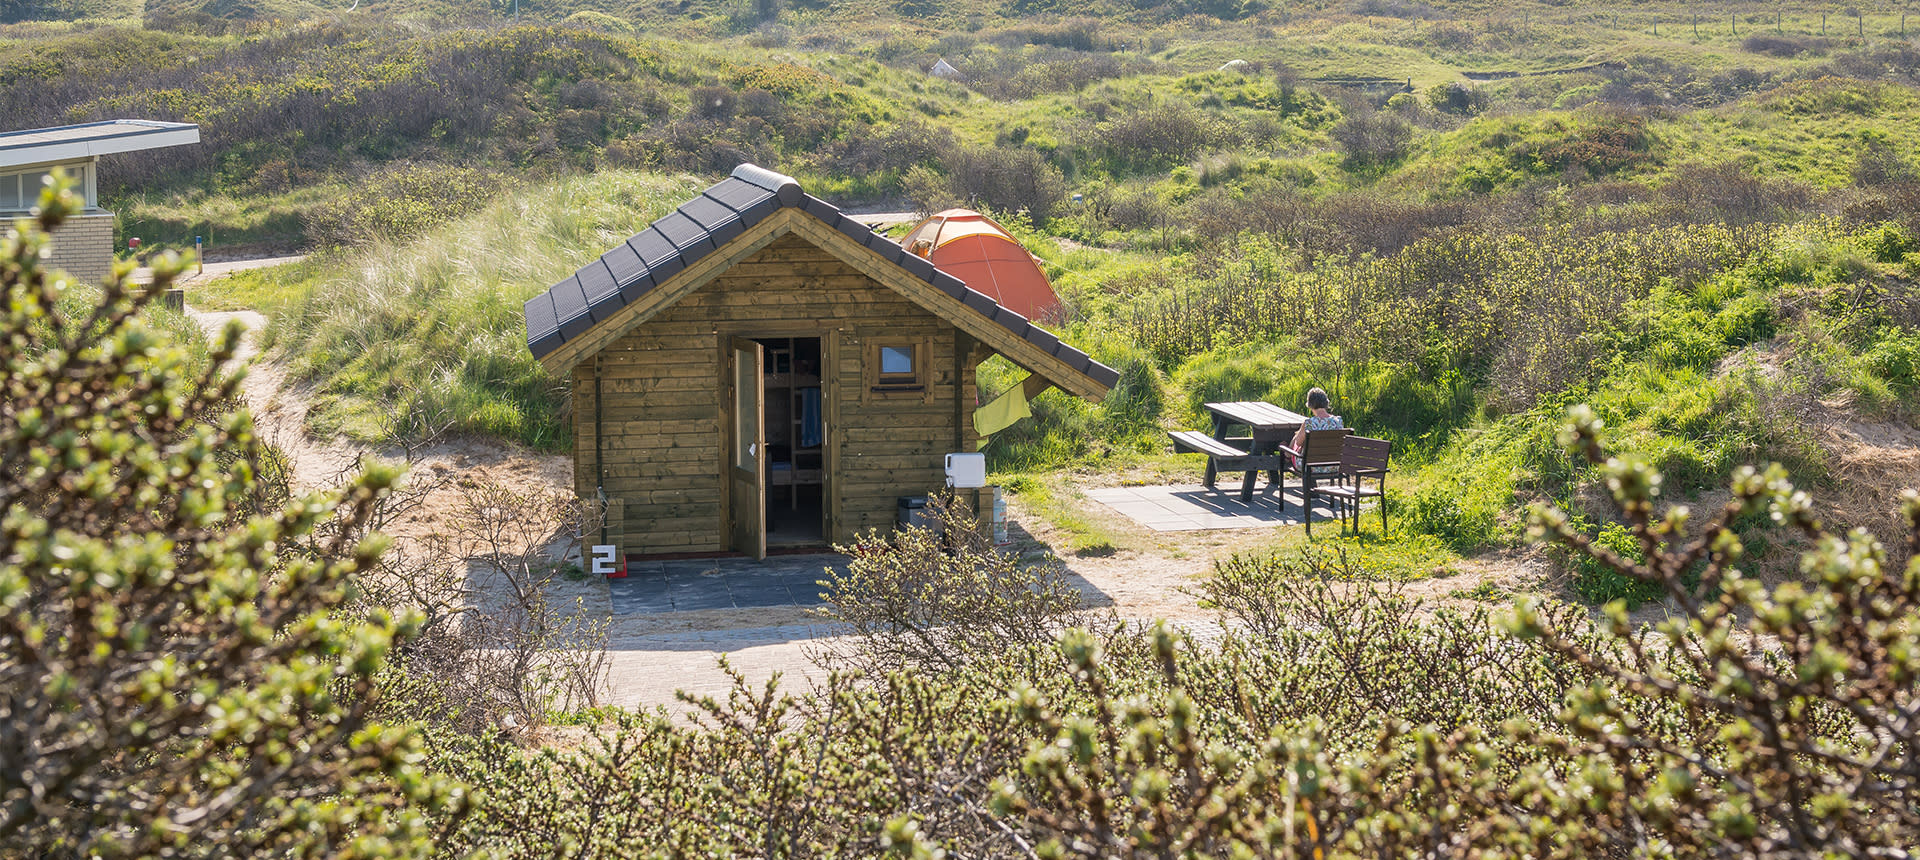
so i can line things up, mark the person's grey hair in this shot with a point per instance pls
(1317, 399)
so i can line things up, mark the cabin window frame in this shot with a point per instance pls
(917, 383)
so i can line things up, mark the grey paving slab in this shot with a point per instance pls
(723, 583)
(1195, 508)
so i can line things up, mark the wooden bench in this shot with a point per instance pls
(1223, 456)
(1360, 458)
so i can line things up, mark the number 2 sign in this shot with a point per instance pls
(606, 561)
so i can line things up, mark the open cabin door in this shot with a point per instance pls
(747, 453)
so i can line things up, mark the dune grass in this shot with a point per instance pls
(432, 329)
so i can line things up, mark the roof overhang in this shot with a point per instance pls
(79, 142)
(678, 254)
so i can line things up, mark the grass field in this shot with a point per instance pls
(1457, 219)
(432, 327)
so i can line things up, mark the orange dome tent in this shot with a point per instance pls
(972, 247)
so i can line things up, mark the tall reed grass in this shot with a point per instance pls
(433, 328)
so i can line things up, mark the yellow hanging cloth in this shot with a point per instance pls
(1001, 413)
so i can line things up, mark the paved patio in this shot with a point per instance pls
(1192, 507)
(722, 583)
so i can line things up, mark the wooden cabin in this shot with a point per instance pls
(758, 369)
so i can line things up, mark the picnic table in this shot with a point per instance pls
(1268, 427)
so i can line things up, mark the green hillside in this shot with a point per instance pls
(432, 327)
(299, 106)
(1494, 214)
(1633, 291)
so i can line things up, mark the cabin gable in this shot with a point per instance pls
(757, 342)
(654, 440)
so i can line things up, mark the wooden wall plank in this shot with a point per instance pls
(663, 425)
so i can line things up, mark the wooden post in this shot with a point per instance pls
(599, 450)
(1696, 28)
(962, 348)
(614, 526)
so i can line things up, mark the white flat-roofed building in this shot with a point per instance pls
(84, 245)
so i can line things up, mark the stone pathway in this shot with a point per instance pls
(211, 271)
(679, 586)
(1193, 507)
(647, 670)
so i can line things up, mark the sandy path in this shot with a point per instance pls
(215, 270)
(280, 411)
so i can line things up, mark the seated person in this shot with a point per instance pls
(1319, 419)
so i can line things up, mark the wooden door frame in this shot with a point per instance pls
(829, 420)
(754, 542)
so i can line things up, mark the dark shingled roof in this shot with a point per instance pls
(703, 224)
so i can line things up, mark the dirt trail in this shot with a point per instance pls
(212, 271)
(279, 409)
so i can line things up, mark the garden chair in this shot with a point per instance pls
(1361, 458)
(1317, 460)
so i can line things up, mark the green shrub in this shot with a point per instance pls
(1440, 511)
(1749, 318)
(398, 203)
(182, 674)
(1895, 357)
(1253, 371)
(1886, 242)
(1597, 583)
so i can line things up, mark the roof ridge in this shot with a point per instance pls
(713, 218)
(778, 183)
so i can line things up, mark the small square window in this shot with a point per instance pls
(897, 366)
(896, 361)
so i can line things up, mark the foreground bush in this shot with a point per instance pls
(1333, 717)
(172, 681)
(943, 596)
(175, 684)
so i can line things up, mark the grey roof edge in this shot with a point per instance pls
(27, 147)
(788, 194)
(121, 128)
